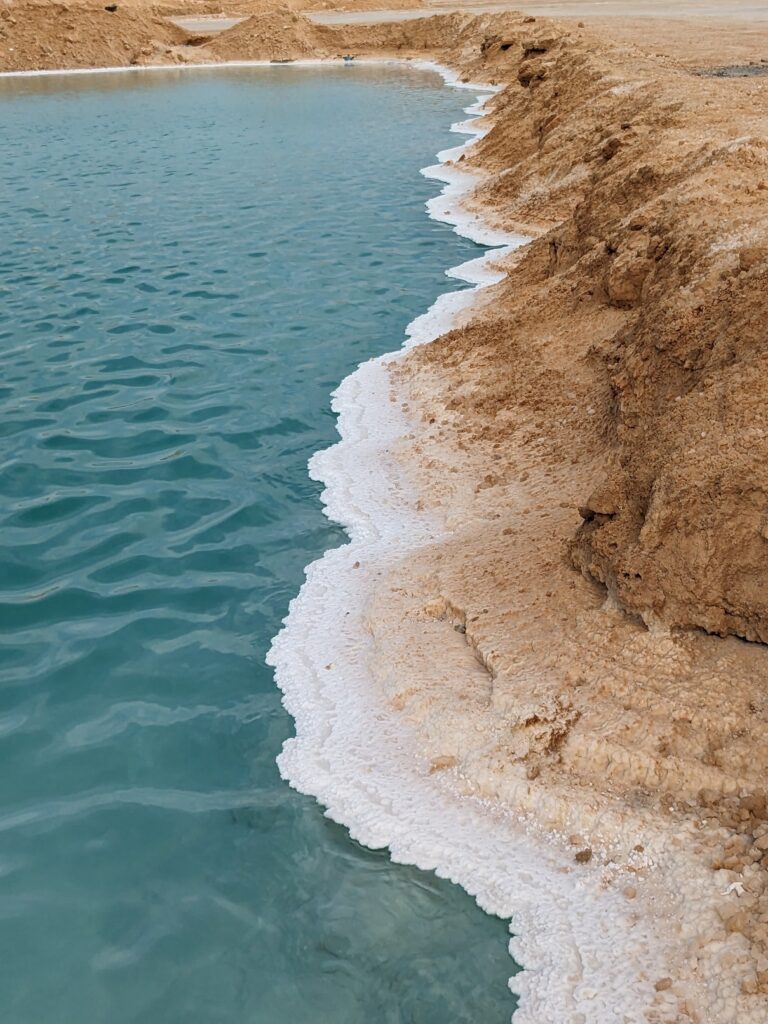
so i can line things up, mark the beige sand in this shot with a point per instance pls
(594, 388)
(695, 33)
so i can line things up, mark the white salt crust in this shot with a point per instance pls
(588, 956)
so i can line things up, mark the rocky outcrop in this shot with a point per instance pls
(648, 191)
(684, 543)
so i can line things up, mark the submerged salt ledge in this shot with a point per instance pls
(583, 957)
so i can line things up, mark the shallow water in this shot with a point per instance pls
(189, 263)
(736, 71)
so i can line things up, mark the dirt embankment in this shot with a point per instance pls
(595, 438)
(658, 185)
(282, 33)
(276, 34)
(41, 36)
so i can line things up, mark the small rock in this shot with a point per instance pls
(708, 797)
(749, 985)
(625, 279)
(755, 804)
(737, 922)
(751, 256)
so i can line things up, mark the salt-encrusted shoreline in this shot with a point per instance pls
(687, 710)
(586, 955)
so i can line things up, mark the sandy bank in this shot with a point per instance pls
(601, 412)
(589, 417)
(64, 35)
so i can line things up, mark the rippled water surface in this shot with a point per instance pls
(189, 263)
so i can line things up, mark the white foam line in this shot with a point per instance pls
(585, 958)
(309, 62)
(140, 68)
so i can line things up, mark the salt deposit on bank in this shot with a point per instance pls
(587, 955)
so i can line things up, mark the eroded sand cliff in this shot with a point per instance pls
(602, 412)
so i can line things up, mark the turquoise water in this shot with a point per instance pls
(189, 263)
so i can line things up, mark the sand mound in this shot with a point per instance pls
(278, 33)
(456, 37)
(282, 33)
(62, 35)
(258, 6)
